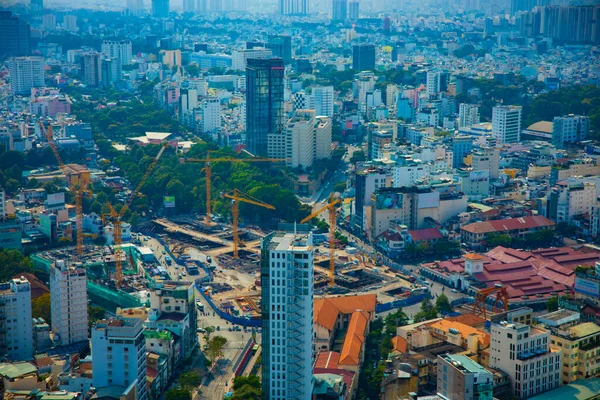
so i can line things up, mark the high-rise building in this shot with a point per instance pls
(506, 124)
(287, 303)
(16, 329)
(353, 10)
(120, 49)
(461, 146)
(468, 114)
(68, 303)
(211, 114)
(363, 57)
(119, 355)
(294, 7)
(486, 159)
(324, 99)
(433, 83)
(239, 57)
(14, 35)
(26, 73)
(36, 5)
(340, 10)
(460, 378)
(570, 129)
(264, 102)
(281, 46)
(368, 181)
(524, 353)
(189, 6)
(70, 23)
(91, 69)
(111, 71)
(160, 8)
(135, 7)
(49, 22)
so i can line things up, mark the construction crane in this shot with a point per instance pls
(117, 230)
(77, 186)
(237, 197)
(482, 294)
(208, 170)
(330, 207)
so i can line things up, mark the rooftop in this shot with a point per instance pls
(16, 370)
(327, 309)
(510, 224)
(465, 363)
(583, 389)
(583, 330)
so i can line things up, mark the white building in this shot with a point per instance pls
(211, 114)
(25, 73)
(70, 23)
(574, 200)
(433, 83)
(119, 355)
(460, 378)
(486, 158)
(364, 83)
(240, 57)
(323, 96)
(68, 303)
(468, 114)
(287, 275)
(476, 184)
(409, 172)
(120, 49)
(323, 132)
(16, 335)
(506, 124)
(109, 233)
(570, 129)
(524, 353)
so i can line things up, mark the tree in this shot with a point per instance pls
(442, 304)
(247, 392)
(498, 239)
(40, 308)
(215, 348)
(552, 304)
(13, 262)
(178, 394)
(358, 156)
(394, 320)
(339, 187)
(95, 314)
(427, 312)
(190, 380)
(251, 380)
(192, 70)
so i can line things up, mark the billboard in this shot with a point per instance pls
(169, 201)
(587, 287)
(388, 201)
(479, 176)
(429, 200)
(55, 199)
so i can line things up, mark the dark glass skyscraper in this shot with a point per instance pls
(14, 35)
(264, 102)
(281, 46)
(363, 57)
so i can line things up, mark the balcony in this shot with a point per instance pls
(531, 354)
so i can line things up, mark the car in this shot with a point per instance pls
(201, 330)
(164, 252)
(218, 328)
(454, 291)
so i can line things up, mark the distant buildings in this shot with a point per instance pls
(570, 129)
(506, 124)
(240, 57)
(70, 23)
(460, 378)
(264, 102)
(340, 10)
(16, 333)
(91, 69)
(548, 22)
(468, 115)
(287, 278)
(281, 46)
(26, 73)
(68, 303)
(294, 7)
(353, 10)
(160, 8)
(120, 49)
(14, 35)
(363, 57)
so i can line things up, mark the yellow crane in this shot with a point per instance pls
(208, 171)
(78, 182)
(117, 230)
(330, 208)
(237, 197)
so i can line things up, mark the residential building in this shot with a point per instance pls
(264, 102)
(120, 49)
(525, 354)
(486, 159)
(568, 201)
(287, 278)
(240, 57)
(324, 100)
(14, 35)
(570, 129)
(506, 124)
(119, 355)
(461, 146)
(135, 7)
(353, 10)
(340, 10)
(368, 181)
(36, 5)
(363, 57)
(111, 71)
(475, 184)
(68, 303)
(323, 137)
(468, 115)
(408, 172)
(16, 329)
(160, 8)
(49, 22)
(580, 344)
(281, 45)
(460, 378)
(211, 114)
(294, 7)
(26, 73)
(433, 83)
(377, 142)
(70, 23)
(91, 69)
(10, 234)
(172, 58)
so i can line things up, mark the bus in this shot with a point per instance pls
(255, 349)
(200, 306)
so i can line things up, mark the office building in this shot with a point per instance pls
(368, 181)
(294, 7)
(570, 129)
(486, 159)
(340, 10)
(26, 73)
(120, 49)
(281, 46)
(506, 124)
(324, 99)
(68, 303)
(70, 23)
(460, 378)
(461, 146)
(160, 8)
(14, 35)
(435, 82)
(525, 354)
(353, 10)
(264, 102)
(135, 7)
(468, 114)
(111, 71)
(363, 57)
(16, 329)
(287, 275)
(119, 355)
(91, 69)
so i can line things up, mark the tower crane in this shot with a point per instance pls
(482, 294)
(330, 208)
(78, 186)
(117, 230)
(208, 170)
(237, 197)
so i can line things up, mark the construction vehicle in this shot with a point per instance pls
(208, 170)
(78, 180)
(482, 294)
(237, 197)
(330, 208)
(117, 231)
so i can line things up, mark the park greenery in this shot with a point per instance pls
(247, 388)
(534, 240)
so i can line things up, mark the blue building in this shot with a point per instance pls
(461, 146)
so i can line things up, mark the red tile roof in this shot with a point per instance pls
(425, 234)
(355, 339)
(327, 309)
(327, 359)
(510, 224)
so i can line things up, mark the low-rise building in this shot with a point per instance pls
(460, 378)
(581, 350)
(474, 234)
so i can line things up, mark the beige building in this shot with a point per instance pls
(581, 351)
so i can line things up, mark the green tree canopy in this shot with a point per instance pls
(40, 308)
(442, 304)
